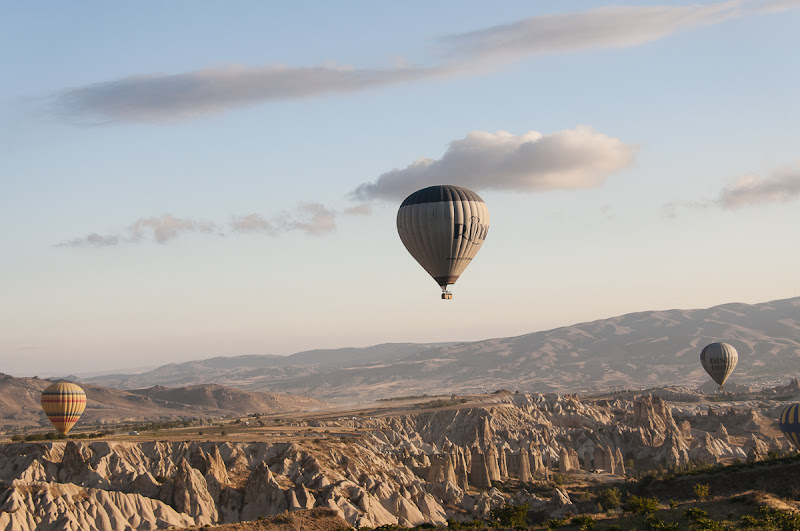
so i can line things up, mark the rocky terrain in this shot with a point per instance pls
(638, 350)
(20, 403)
(448, 459)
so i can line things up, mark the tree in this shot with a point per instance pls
(609, 499)
(511, 515)
(701, 491)
(641, 505)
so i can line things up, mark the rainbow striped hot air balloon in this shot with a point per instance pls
(63, 404)
(789, 423)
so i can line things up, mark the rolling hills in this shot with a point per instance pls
(19, 403)
(642, 349)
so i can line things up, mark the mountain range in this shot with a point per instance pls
(643, 349)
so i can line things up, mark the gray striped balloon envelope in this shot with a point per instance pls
(719, 360)
(443, 227)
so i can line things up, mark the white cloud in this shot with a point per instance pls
(166, 227)
(311, 218)
(162, 229)
(254, 223)
(782, 186)
(749, 190)
(363, 209)
(163, 97)
(315, 219)
(92, 240)
(570, 159)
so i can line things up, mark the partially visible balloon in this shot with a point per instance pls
(789, 423)
(63, 404)
(443, 227)
(719, 360)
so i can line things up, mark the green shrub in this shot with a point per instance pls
(511, 515)
(767, 518)
(585, 522)
(610, 498)
(701, 491)
(641, 505)
(694, 514)
(553, 523)
(654, 522)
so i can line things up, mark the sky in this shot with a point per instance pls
(193, 179)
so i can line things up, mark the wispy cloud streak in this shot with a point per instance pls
(166, 228)
(310, 218)
(749, 190)
(92, 240)
(605, 27)
(162, 97)
(165, 97)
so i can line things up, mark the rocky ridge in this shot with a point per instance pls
(400, 470)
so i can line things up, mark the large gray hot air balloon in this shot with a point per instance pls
(443, 227)
(719, 360)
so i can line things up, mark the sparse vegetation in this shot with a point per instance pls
(410, 397)
(433, 404)
(701, 491)
(56, 436)
(641, 505)
(584, 522)
(654, 522)
(609, 499)
(510, 515)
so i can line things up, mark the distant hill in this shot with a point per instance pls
(644, 349)
(20, 406)
(252, 368)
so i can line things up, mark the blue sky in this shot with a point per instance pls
(187, 180)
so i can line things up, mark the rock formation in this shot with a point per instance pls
(408, 470)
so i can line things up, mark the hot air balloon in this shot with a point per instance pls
(789, 423)
(443, 227)
(63, 403)
(719, 360)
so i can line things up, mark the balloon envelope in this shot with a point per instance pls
(719, 360)
(63, 404)
(789, 423)
(443, 227)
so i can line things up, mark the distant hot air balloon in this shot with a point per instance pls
(789, 423)
(63, 404)
(443, 227)
(719, 360)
